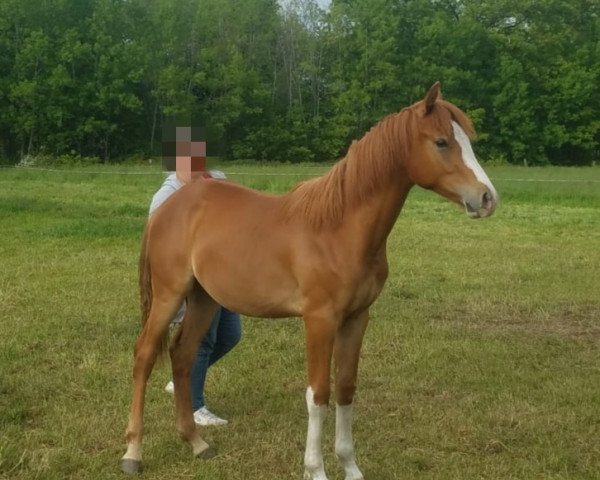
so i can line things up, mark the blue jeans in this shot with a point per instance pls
(224, 333)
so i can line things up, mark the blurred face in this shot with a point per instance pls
(190, 162)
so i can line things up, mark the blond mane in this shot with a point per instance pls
(371, 162)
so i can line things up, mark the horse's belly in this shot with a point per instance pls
(269, 306)
(251, 289)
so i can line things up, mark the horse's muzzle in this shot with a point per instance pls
(481, 206)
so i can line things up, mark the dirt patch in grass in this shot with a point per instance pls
(574, 322)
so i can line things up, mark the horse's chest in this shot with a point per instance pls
(369, 286)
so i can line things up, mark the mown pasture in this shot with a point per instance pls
(481, 361)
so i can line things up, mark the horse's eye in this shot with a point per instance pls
(441, 142)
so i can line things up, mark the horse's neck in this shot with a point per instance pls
(376, 184)
(362, 194)
(373, 220)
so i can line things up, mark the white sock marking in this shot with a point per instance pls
(134, 452)
(313, 456)
(344, 447)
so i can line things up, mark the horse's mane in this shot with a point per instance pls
(371, 162)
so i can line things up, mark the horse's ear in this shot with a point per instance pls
(432, 96)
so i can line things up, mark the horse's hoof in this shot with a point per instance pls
(207, 454)
(131, 467)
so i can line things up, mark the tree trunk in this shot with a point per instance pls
(154, 115)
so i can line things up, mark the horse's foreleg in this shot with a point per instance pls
(348, 342)
(320, 333)
(200, 311)
(146, 351)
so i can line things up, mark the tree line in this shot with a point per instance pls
(292, 81)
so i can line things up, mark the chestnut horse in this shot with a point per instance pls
(318, 252)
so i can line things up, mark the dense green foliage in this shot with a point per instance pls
(97, 77)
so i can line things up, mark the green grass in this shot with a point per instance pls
(481, 361)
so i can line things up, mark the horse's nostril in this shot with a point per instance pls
(487, 198)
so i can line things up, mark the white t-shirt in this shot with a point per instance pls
(171, 185)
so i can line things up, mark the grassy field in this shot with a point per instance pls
(481, 361)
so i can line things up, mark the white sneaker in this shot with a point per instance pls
(204, 417)
(170, 387)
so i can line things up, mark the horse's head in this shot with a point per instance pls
(441, 157)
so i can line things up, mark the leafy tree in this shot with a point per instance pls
(292, 81)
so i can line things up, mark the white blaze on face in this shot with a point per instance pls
(469, 158)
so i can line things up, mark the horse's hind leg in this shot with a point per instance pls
(146, 350)
(347, 346)
(199, 314)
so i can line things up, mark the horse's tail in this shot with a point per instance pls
(145, 281)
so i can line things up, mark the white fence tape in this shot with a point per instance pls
(274, 174)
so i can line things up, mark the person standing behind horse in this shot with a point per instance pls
(225, 330)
